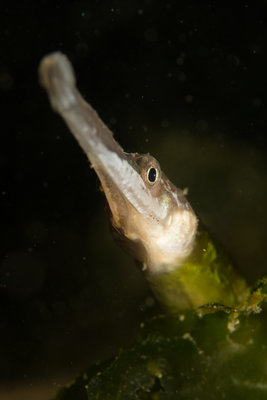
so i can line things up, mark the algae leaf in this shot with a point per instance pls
(212, 353)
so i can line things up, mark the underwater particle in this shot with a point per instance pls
(182, 37)
(150, 302)
(36, 231)
(182, 76)
(140, 11)
(151, 35)
(202, 125)
(59, 307)
(255, 49)
(257, 102)
(6, 81)
(25, 275)
(164, 123)
(145, 128)
(189, 98)
(180, 59)
(233, 60)
(82, 49)
(203, 51)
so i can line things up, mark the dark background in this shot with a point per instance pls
(185, 81)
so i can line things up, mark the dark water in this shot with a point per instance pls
(184, 81)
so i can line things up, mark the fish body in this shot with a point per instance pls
(150, 217)
(206, 276)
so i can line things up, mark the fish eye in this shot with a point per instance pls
(149, 169)
(152, 175)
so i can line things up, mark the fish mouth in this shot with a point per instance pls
(116, 169)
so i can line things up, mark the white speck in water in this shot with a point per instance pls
(150, 302)
(151, 35)
(6, 81)
(181, 76)
(233, 60)
(182, 37)
(203, 51)
(164, 123)
(202, 125)
(180, 59)
(257, 102)
(188, 98)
